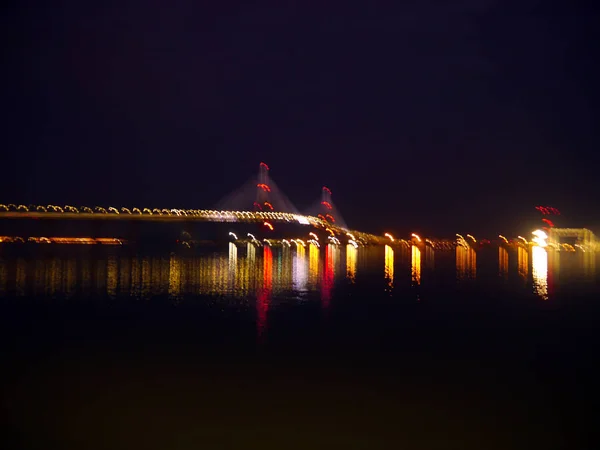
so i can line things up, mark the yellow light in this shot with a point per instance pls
(503, 238)
(389, 265)
(416, 237)
(469, 236)
(416, 264)
(388, 235)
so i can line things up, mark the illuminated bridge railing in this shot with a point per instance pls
(84, 212)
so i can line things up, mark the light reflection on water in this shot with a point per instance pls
(466, 263)
(539, 261)
(416, 264)
(389, 267)
(294, 272)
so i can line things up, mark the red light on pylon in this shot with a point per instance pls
(549, 222)
(326, 189)
(264, 187)
(257, 205)
(330, 217)
(269, 206)
(327, 205)
(262, 164)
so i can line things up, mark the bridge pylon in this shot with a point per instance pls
(327, 210)
(263, 189)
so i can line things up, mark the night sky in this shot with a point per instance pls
(435, 116)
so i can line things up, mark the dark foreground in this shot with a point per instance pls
(333, 357)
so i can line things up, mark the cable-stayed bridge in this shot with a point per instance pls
(259, 200)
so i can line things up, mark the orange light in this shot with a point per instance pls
(330, 217)
(327, 205)
(267, 224)
(269, 205)
(264, 187)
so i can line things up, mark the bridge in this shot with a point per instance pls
(258, 201)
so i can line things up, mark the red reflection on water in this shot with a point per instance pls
(327, 282)
(264, 293)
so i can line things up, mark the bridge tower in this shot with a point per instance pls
(326, 208)
(263, 189)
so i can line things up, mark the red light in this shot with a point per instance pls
(264, 294)
(262, 164)
(330, 217)
(322, 217)
(257, 205)
(269, 205)
(327, 205)
(549, 222)
(326, 189)
(264, 187)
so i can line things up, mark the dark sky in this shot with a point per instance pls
(430, 115)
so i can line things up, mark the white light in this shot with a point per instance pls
(302, 220)
(231, 233)
(540, 238)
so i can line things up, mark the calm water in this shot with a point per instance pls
(314, 348)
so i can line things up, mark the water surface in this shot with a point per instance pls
(284, 347)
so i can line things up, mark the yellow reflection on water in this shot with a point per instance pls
(389, 267)
(589, 264)
(466, 262)
(522, 261)
(112, 276)
(415, 263)
(502, 262)
(232, 258)
(174, 276)
(313, 265)
(351, 253)
(539, 270)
